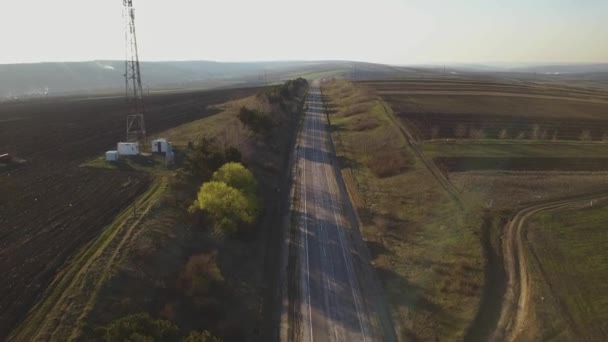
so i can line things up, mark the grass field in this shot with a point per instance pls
(569, 274)
(424, 246)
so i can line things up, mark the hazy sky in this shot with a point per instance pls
(387, 31)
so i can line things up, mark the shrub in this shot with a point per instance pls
(200, 275)
(357, 108)
(387, 164)
(140, 327)
(365, 124)
(233, 154)
(236, 176)
(225, 205)
(201, 336)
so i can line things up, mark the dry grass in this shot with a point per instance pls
(423, 246)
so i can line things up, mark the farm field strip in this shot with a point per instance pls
(71, 296)
(532, 149)
(539, 88)
(489, 93)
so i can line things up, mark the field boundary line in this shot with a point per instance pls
(59, 298)
(428, 163)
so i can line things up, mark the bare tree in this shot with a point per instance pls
(535, 132)
(477, 133)
(503, 134)
(434, 132)
(460, 131)
(585, 135)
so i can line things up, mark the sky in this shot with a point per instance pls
(383, 31)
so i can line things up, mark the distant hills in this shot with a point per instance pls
(95, 77)
(34, 80)
(555, 69)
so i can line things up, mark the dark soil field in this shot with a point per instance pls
(459, 164)
(49, 206)
(440, 109)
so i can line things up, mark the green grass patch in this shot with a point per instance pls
(152, 163)
(569, 273)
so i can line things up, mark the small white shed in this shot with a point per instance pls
(128, 148)
(159, 145)
(112, 155)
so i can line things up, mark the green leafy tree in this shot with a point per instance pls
(236, 176)
(140, 327)
(225, 205)
(201, 336)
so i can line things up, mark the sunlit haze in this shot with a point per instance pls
(385, 31)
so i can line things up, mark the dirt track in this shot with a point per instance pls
(50, 207)
(514, 310)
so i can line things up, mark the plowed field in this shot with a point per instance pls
(49, 206)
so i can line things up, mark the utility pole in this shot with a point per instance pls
(136, 128)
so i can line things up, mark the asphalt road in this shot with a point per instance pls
(339, 298)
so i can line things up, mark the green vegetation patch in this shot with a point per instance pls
(569, 272)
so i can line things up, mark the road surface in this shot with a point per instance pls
(338, 297)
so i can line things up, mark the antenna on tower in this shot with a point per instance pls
(136, 128)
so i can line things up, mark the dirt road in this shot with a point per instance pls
(336, 296)
(514, 311)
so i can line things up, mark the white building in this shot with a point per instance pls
(128, 148)
(112, 155)
(160, 145)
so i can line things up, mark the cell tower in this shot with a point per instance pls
(136, 128)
